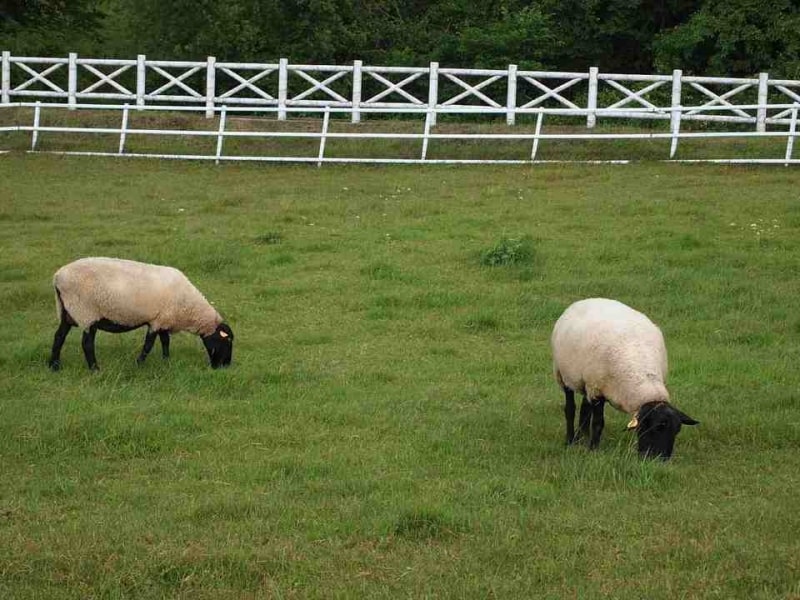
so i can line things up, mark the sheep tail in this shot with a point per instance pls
(59, 303)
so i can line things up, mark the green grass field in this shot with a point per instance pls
(390, 427)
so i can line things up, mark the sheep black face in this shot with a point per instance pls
(219, 346)
(657, 424)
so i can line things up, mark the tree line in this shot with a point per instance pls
(710, 37)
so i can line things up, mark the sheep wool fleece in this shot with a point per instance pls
(132, 293)
(609, 350)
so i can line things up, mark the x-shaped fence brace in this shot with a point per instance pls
(471, 90)
(637, 95)
(550, 92)
(247, 84)
(392, 87)
(720, 99)
(173, 80)
(791, 94)
(317, 85)
(103, 78)
(39, 76)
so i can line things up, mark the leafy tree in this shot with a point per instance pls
(735, 37)
(702, 36)
(615, 35)
(50, 27)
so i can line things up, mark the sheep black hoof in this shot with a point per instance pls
(54, 365)
(94, 368)
(140, 360)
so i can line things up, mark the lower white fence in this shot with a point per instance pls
(426, 136)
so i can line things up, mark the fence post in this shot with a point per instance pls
(536, 134)
(141, 88)
(357, 64)
(220, 132)
(211, 73)
(591, 103)
(676, 129)
(325, 120)
(283, 84)
(792, 133)
(761, 115)
(35, 133)
(123, 129)
(511, 97)
(72, 79)
(430, 117)
(433, 91)
(6, 77)
(675, 115)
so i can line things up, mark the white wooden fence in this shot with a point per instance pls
(358, 88)
(426, 136)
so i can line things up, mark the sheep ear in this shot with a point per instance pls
(633, 424)
(686, 419)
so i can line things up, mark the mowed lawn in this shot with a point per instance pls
(390, 427)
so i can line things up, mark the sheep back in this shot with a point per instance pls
(605, 348)
(132, 293)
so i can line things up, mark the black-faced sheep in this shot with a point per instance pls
(117, 295)
(608, 351)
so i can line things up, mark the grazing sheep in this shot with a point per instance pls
(608, 351)
(117, 295)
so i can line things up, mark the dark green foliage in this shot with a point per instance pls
(638, 36)
(615, 35)
(738, 37)
(45, 27)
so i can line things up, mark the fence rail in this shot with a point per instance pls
(426, 136)
(358, 87)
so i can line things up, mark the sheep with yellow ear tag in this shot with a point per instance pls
(609, 352)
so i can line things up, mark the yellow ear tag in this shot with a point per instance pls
(223, 334)
(634, 423)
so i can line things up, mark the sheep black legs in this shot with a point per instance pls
(149, 340)
(87, 342)
(58, 341)
(569, 414)
(598, 421)
(164, 337)
(585, 419)
(591, 417)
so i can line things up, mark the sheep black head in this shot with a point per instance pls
(657, 424)
(219, 346)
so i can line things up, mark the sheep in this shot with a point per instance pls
(118, 295)
(608, 351)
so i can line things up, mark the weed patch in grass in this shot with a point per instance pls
(270, 238)
(509, 251)
(382, 271)
(482, 322)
